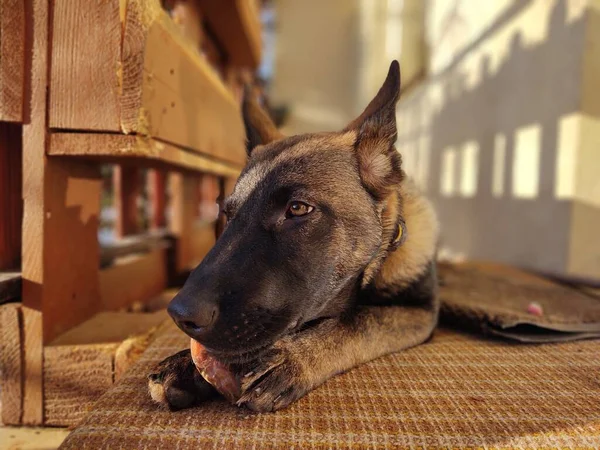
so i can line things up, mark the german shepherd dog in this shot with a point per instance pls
(327, 261)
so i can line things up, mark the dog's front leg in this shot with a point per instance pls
(300, 362)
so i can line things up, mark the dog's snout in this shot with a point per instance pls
(194, 316)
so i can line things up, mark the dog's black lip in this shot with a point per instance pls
(237, 357)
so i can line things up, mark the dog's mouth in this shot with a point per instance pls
(242, 356)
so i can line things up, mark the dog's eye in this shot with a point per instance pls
(297, 209)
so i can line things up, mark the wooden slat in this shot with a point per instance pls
(33, 377)
(74, 377)
(236, 25)
(136, 279)
(167, 89)
(11, 364)
(86, 49)
(11, 203)
(111, 327)
(34, 167)
(183, 216)
(12, 59)
(157, 183)
(115, 148)
(126, 188)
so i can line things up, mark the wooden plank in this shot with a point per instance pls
(33, 378)
(10, 286)
(71, 292)
(170, 92)
(134, 279)
(183, 216)
(75, 376)
(34, 140)
(11, 364)
(11, 203)
(86, 63)
(126, 188)
(116, 148)
(12, 60)
(157, 183)
(236, 25)
(111, 327)
(201, 241)
(165, 88)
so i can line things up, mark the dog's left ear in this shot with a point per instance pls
(379, 162)
(260, 129)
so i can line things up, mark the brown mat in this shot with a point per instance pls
(494, 299)
(455, 391)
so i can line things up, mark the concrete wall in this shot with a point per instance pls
(500, 135)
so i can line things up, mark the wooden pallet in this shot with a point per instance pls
(92, 82)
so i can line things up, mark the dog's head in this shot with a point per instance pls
(305, 220)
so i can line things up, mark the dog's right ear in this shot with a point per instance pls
(260, 129)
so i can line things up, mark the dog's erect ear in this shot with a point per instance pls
(379, 162)
(260, 130)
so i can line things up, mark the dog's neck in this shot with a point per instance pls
(408, 242)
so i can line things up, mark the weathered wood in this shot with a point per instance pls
(86, 49)
(10, 286)
(71, 251)
(12, 60)
(11, 364)
(157, 183)
(166, 89)
(74, 377)
(11, 203)
(126, 189)
(115, 148)
(236, 25)
(33, 378)
(134, 279)
(34, 182)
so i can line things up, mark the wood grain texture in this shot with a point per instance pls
(86, 65)
(11, 203)
(236, 25)
(33, 378)
(34, 140)
(134, 279)
(12, 60)
(74, 377)
(149, 78)
(126, 188)
(11, 364)
(150, 152)
(169, 90)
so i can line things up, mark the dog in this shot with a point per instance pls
(327, 261)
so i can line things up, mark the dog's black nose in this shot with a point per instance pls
(194, 316)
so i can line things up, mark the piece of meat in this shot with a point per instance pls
(216, 373)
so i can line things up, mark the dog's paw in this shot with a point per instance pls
(272, 382)
(176, 383)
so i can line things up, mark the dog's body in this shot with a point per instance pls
(327, 262)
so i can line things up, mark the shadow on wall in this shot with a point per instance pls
(495, 158)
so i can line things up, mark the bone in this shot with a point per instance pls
(216, 373)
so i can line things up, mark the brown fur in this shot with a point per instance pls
(392, 306)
